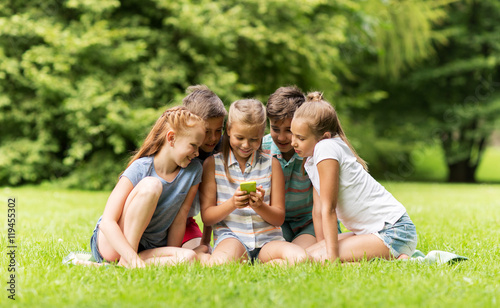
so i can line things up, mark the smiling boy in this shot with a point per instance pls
(281, 105)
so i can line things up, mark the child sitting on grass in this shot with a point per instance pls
(145, 215)
(246, 225)
(298, 226)
(379, 223)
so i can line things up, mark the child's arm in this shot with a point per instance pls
(109, 223)
(207, 235)
(329, 171)
(178, 227)
(316, 215)
(274, 212)
(211, 213)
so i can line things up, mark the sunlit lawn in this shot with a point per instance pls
(464, 219)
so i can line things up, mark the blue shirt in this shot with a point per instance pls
(173, 195)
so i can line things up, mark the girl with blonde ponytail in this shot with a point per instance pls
(344, 190)
(145, 216)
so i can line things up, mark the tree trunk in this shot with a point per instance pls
(461, 172)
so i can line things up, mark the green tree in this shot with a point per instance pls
(453, 96)
(82, 81)
(386, 42)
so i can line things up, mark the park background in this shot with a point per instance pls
(416, 85)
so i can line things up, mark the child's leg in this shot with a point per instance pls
(305, 236)
(280, 252)
(193, 236)
(228, 250)
(202, 251)
(369, 246)
(317, 252)
(304, 240)
(352, 248)
(137, 212)
(193, 243)
(167, 255)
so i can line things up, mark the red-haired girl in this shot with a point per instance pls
(145, 216)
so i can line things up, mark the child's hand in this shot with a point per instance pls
(240, 199)
(257, 198)
(135, 262)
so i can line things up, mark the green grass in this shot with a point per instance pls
(464, 219)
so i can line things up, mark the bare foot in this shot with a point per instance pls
(403, 256)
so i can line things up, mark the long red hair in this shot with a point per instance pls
(178, 119)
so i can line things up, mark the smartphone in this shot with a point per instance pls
(248, 186)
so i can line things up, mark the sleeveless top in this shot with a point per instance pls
(248, 226)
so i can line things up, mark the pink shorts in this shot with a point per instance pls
(192, 230)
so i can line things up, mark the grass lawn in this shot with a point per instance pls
(464, 219)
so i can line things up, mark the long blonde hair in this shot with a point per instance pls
(322, 118)
(248, 112)
(178, 119)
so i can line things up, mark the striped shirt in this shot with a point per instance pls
(245, 224)
(298, 187)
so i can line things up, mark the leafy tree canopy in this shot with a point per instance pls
(82, 81)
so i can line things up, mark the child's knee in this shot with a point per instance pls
(295, 253)
(188, 255)
(150, 186)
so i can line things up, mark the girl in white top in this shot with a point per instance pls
(344, 189)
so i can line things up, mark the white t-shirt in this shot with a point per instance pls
(363, 205)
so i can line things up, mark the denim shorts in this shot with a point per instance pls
(252, 254)
(93, 246)
(400, 237)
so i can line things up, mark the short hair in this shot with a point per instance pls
(204, 103)
(283, 102)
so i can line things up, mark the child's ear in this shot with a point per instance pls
(326, 135)
(171, 137)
